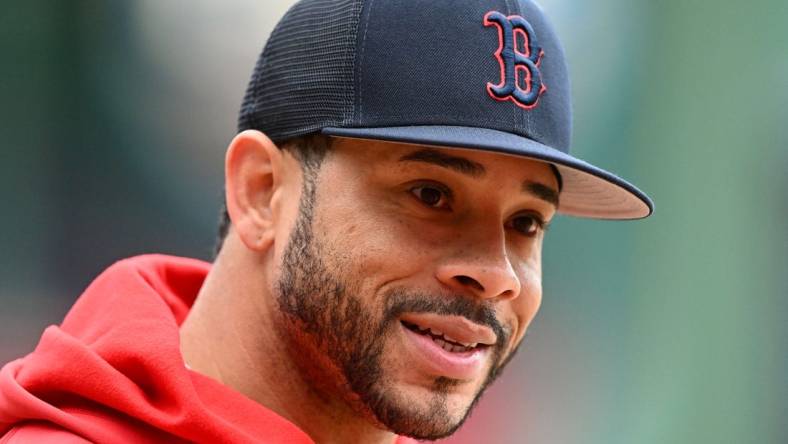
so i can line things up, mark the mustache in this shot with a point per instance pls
(400, 300)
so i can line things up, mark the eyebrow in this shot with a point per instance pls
(476, 170)
(456, 163)
(541, 191)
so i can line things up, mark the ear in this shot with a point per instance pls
(253, 169)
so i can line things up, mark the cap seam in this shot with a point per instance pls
(348, 117)
(361, 57)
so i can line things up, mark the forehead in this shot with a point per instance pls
(474, 164)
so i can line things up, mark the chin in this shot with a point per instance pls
(424, 407)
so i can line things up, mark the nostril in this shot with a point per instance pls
(470, 282)
(508, 294)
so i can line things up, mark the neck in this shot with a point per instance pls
(229, 336)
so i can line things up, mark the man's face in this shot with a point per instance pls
(410, 277)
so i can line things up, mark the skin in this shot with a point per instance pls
(478, 250)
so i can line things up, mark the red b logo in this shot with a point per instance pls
(521, 79)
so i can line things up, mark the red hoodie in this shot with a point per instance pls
(113, 371)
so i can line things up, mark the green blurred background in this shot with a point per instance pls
(114, 117)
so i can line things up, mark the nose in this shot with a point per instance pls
(483, 269)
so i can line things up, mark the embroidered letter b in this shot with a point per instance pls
(521, 80)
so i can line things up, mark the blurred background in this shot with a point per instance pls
(114, 118)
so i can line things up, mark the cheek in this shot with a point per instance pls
(527, 304)
(532, 296)
(530, 260)
(378, 246)
(530, 274)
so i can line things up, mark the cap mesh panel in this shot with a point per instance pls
(303, 80)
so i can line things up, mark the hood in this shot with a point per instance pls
(113, 371)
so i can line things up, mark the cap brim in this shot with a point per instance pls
(587, 191)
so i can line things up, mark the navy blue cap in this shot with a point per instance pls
(485, 75)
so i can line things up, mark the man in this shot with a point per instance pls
(387, 196)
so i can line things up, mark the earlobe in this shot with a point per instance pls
(253, 167)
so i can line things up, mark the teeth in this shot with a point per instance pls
(445, 345)
(450, 347)
(466, 344)
(445, 341)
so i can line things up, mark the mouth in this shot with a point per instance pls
(447, 346)
(443, 340)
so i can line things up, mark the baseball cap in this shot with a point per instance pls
(487, 75)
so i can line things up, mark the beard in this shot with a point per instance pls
(338, 338)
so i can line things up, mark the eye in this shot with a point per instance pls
(527, 224)
(432, 196)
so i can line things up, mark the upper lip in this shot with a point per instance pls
(456, 328)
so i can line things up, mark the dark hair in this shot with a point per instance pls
(309, 150)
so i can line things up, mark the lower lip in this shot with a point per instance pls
(456, 365)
